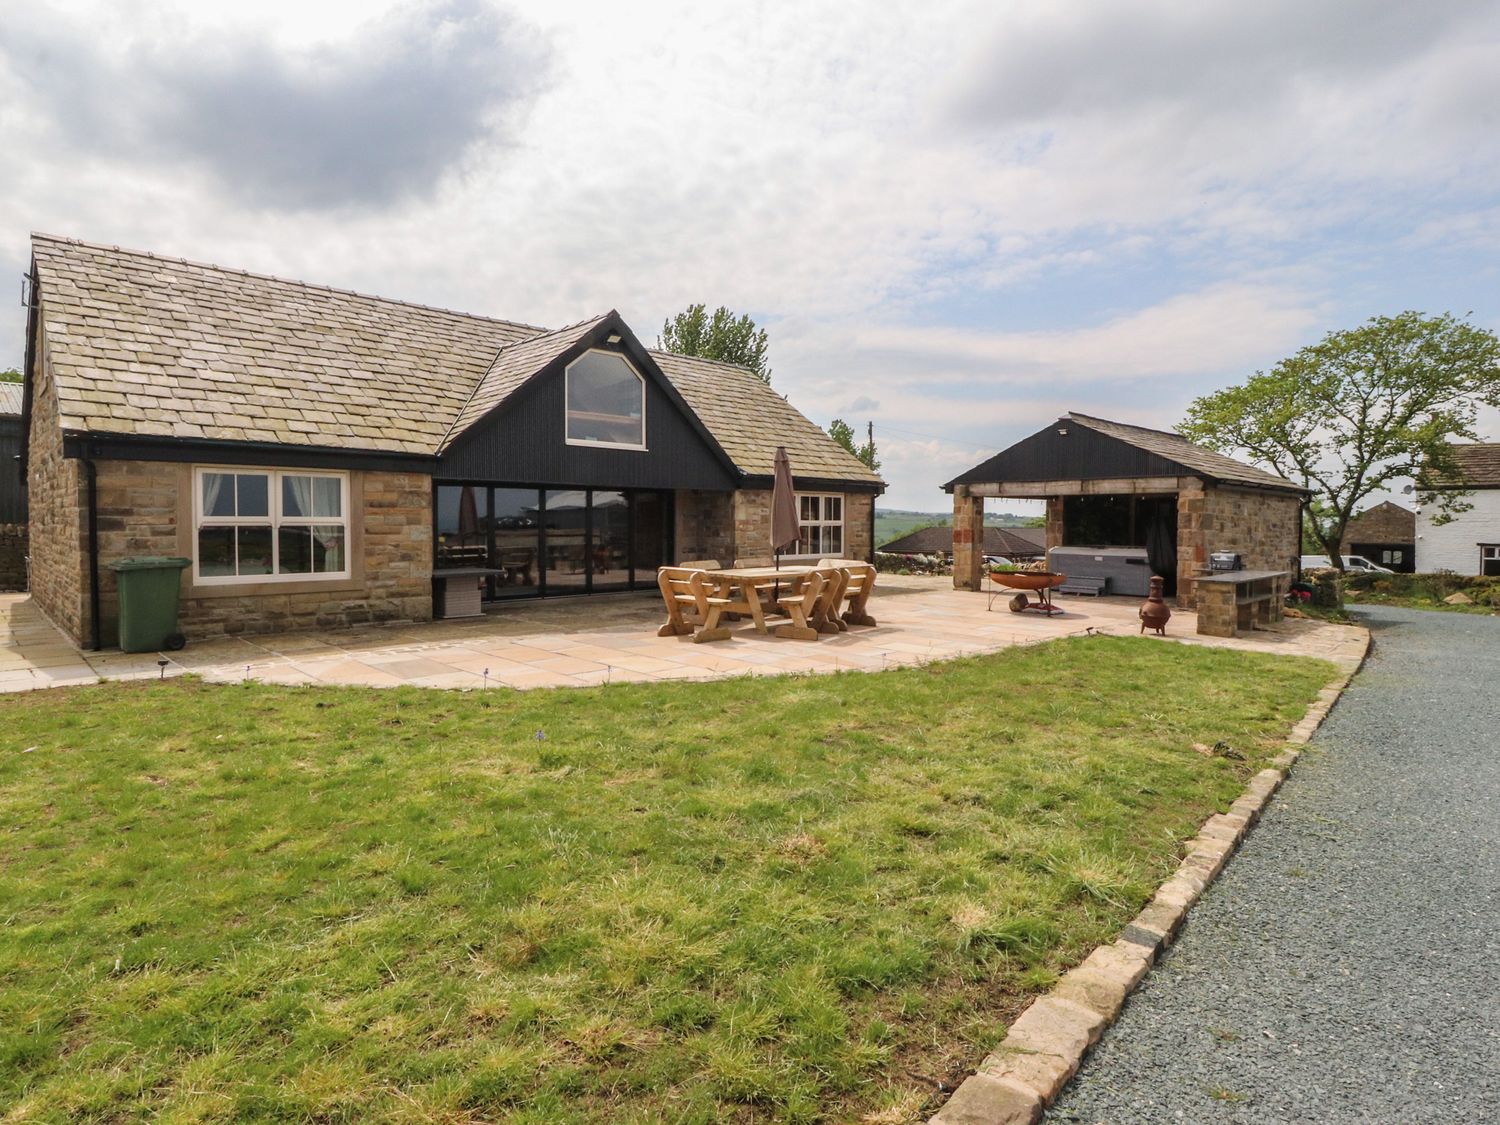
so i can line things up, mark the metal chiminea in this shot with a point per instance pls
(1154, 611)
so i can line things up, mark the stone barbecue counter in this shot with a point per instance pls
(1238, 601)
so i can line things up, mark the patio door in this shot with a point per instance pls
(548, 542)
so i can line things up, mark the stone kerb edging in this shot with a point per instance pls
(1045, 1045)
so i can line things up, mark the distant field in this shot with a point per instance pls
(894, 523)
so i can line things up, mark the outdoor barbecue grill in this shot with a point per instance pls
(1222, 562)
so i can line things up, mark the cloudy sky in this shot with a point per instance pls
(957, 220)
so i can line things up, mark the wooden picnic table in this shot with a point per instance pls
(750, 580)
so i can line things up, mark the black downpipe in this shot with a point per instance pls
(95, 644)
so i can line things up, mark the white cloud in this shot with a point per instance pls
(849, 175)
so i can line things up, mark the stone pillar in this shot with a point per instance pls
(1054, 522)
(1192, 551)
(1218, 616)
(968, 539)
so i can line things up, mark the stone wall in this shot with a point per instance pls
(58, 513)
(737, 525)
(705, 527)
(1264, 528)
(145, 508)
(12, 556)
(859, 530)
(752, 523)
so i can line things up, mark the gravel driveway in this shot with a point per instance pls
(1346, 965)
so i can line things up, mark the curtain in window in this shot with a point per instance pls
(297, 496)
(213, 485)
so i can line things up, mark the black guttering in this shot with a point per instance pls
(142, 447)
(33, 314)
(816, 484)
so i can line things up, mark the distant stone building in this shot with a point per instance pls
(1386, 535)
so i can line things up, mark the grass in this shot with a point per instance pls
(1424, 591)
(788, 899)
(1416, 602)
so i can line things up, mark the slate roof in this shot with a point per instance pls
(749, 420)
(166, 348)
(10, 398)
(161, 347)
(1177, 448)
(1012, 542)
(1478, 465)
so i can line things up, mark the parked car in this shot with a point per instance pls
(1351, 562)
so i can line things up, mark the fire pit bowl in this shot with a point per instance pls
(1040, 581)
(1028, 579)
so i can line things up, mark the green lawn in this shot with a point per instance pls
(787, 899)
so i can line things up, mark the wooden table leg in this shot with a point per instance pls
(750, 594)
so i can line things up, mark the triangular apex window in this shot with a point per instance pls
(606, 401)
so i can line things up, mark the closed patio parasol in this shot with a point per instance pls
(785, 527)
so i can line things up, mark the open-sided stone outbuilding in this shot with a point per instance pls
(1107, 484)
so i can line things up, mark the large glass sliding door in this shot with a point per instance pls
(609, 547)
(550, 542)
(651, 537)
(565, 516)
(517, 544)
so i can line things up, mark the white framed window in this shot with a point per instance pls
(269, 525)
(822, 519)
(1489, 559)
(605, 402)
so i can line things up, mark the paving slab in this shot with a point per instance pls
(581, 642)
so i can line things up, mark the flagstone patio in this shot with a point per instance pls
(577, 642)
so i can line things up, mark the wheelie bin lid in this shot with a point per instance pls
(151, 562)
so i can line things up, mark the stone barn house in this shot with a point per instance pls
(322, 457)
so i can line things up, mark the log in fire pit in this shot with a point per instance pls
(1040, 582)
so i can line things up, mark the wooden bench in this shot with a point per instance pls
(802, 607)
(686, 593)
(1085, 585)
(859, 582)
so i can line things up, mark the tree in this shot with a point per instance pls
(843, 433)
(1363, 408)
(10, 375)
(718, 335)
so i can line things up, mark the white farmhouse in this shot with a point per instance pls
(1470, 542)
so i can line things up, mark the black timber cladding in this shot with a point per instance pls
(1068, 451)
(523, 441)
(12, 489)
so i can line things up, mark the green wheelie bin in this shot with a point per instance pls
(150, 587)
